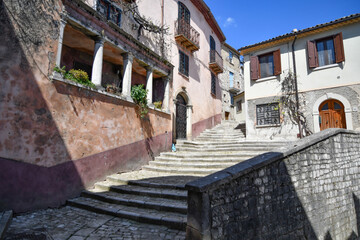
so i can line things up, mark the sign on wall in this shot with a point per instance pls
(267, 114)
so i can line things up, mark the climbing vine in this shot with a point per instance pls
(289, 105)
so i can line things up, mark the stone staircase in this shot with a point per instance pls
(156, 194)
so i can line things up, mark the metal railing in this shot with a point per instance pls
(184, 28)
(216, 58)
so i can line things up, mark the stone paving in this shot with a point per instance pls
(77, 224)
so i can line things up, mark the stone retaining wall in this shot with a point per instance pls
(309, 190)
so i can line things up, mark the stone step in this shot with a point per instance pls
(224, 149)
(144, 191)
(160, 204)
(188, 171)
(201, 160)
(151, 216)
(190, 165)
(212, 155)
(236, 143)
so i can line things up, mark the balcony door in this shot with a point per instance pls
(212, 49)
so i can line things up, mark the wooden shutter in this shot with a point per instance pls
(277, 62)
(254, 67)
(312, 54)
(339, 48)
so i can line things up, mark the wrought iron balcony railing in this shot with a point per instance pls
(186, 35)
(216, 62)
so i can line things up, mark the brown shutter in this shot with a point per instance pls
(254, 67)
(339, 48)
(277, 62)
(312, 54)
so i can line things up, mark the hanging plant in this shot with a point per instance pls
(139, 95)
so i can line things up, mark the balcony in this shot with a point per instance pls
(216, 62)
(186, 35)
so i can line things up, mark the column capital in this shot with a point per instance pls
(128, 56)
(99, 39)
(149, 68)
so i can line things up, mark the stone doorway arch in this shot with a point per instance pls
(182, 118)
(339, 98)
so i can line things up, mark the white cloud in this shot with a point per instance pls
(230, 22)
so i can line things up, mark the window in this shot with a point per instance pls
(230, 56)
(239, 106)
(231, 79)
(267, 114)
(109, 11)
(184, 13)
(213, 84)
(232, 99)
(326, 51)
(184, 63)
(265, 65)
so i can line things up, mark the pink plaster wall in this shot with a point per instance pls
(57, 138)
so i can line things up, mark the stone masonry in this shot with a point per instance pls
(310, 191)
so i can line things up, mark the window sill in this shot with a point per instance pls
(266, 79)
(267, 126)
(183, 75)
(59, 78)
(326, 66)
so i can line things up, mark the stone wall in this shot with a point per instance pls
(309, 190)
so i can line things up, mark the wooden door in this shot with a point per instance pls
(180, 117)
(332, 115)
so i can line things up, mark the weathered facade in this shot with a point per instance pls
(57, 136)
(232, 85)
(324, 60)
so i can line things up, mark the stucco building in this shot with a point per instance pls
(232, 85)
(324, 59)
(58, 136)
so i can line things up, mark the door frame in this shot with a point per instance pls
(327, 96)
(189, 109)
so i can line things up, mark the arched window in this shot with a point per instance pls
(184, 13)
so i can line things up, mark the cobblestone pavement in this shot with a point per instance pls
(77, 224)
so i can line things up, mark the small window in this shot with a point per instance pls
(213, 84)
(239, 106)
(109, 11)
(232, 99)
(231, 79)
(265, 65)
(184, 63)
(337, 106)
(267, 114)
(325, 107)
(326, 51)
(230, 56)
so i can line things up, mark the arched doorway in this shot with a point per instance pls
(331, 114)
(181, 117)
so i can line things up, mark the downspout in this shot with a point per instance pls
(162, 47)
(296, 87)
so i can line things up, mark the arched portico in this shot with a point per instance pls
(328, 96)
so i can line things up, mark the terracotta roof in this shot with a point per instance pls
(302, 31)
(209, 17)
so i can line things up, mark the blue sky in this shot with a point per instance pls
(248, 22)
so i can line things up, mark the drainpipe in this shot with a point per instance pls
(296, 86)
(162, 47)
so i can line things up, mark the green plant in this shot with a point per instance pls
(74, 75)
(158, 104)
(139, 95)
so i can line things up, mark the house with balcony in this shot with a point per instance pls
(194, 47)
(232, 85)
(317, 67)
(67, 115)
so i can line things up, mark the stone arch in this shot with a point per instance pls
(342, 99)
(189, 106)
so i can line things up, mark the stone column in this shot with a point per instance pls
(60, 42)
(149, 83)
(126, 82)
(166, 93)
(97, 62)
